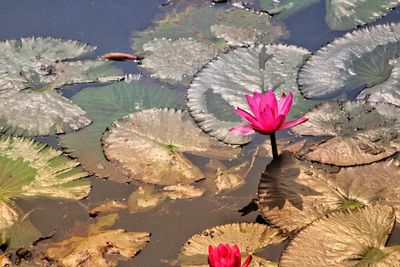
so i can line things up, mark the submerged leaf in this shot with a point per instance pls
(107, 207)
(100, 248)
(360, 59)
(160, 137)
(364, 132)
(249, 237)
(294, 193)
(31, 69)
(105, 105)
(355, 238)
(182, 191)
(284, 8)
(222, 85)
(145, 198)
(346, 14)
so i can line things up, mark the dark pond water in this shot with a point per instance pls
(109, 25)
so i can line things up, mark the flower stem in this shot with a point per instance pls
(273, 145)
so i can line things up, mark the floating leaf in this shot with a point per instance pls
(196, 20)
(249, 237)
(346, 14)
(177, 60)
(160, 137)
(364, 132)
(182, 191)
(145, 198)
(100, 248)
(222, 85)
(355, 238)
(294, 193)
(284, 8)
(107, 207)
(105, 105)
(31, 69)
(360, 59)
(220, 178)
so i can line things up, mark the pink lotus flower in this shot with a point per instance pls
(268, 116)
(226, 256)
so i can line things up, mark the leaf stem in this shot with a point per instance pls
(273, 145)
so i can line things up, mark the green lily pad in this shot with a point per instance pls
(293, 193)
(365, 58)
(30, 169)
(222, 85)
(180, 43)
(363, 132)
(160, 136)
(31, 69)
(284, 8)
(347, 14)
(355, 238)
(105, 105)
(249, 237)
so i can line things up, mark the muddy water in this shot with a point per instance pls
(108, 24)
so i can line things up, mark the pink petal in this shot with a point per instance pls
(247, 261)
(269, 122)
(242, 130)
(269, 99)
(254, 106)
(292, 123)
(285, 103)
(248, 117)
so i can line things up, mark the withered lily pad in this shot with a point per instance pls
(182, 191)
(30, 169)
(145, 198)
(220, 178)
(31, 69)
(346, 14)
(105, 105)
(365, 58)
(160, 136)
(249, 237)
(177, 60)
(222, 85)
(294, 193)
(108, 207)
(355, 238)
(284, 8)
(100, 247)
(363, 132)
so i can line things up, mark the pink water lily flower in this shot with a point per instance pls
(226, 256)
(267, 116)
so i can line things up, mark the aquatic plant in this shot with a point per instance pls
(268, 116)
(224, 255)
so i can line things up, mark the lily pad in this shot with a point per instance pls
(184, 40)
(364, 132)
(145, 198)
(361, 59)
(177, 60)
(30, 169)
(108, 207)
(182, 191)
(160, 136)
(284, 8)
(354, 238)
(195, 20)
(31, 69)
(220, 178)
(222, 85)
(105, 105)
(347, 14)
(293, 193)
(249, 237)
(99, 247)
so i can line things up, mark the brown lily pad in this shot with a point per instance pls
(160, 136)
